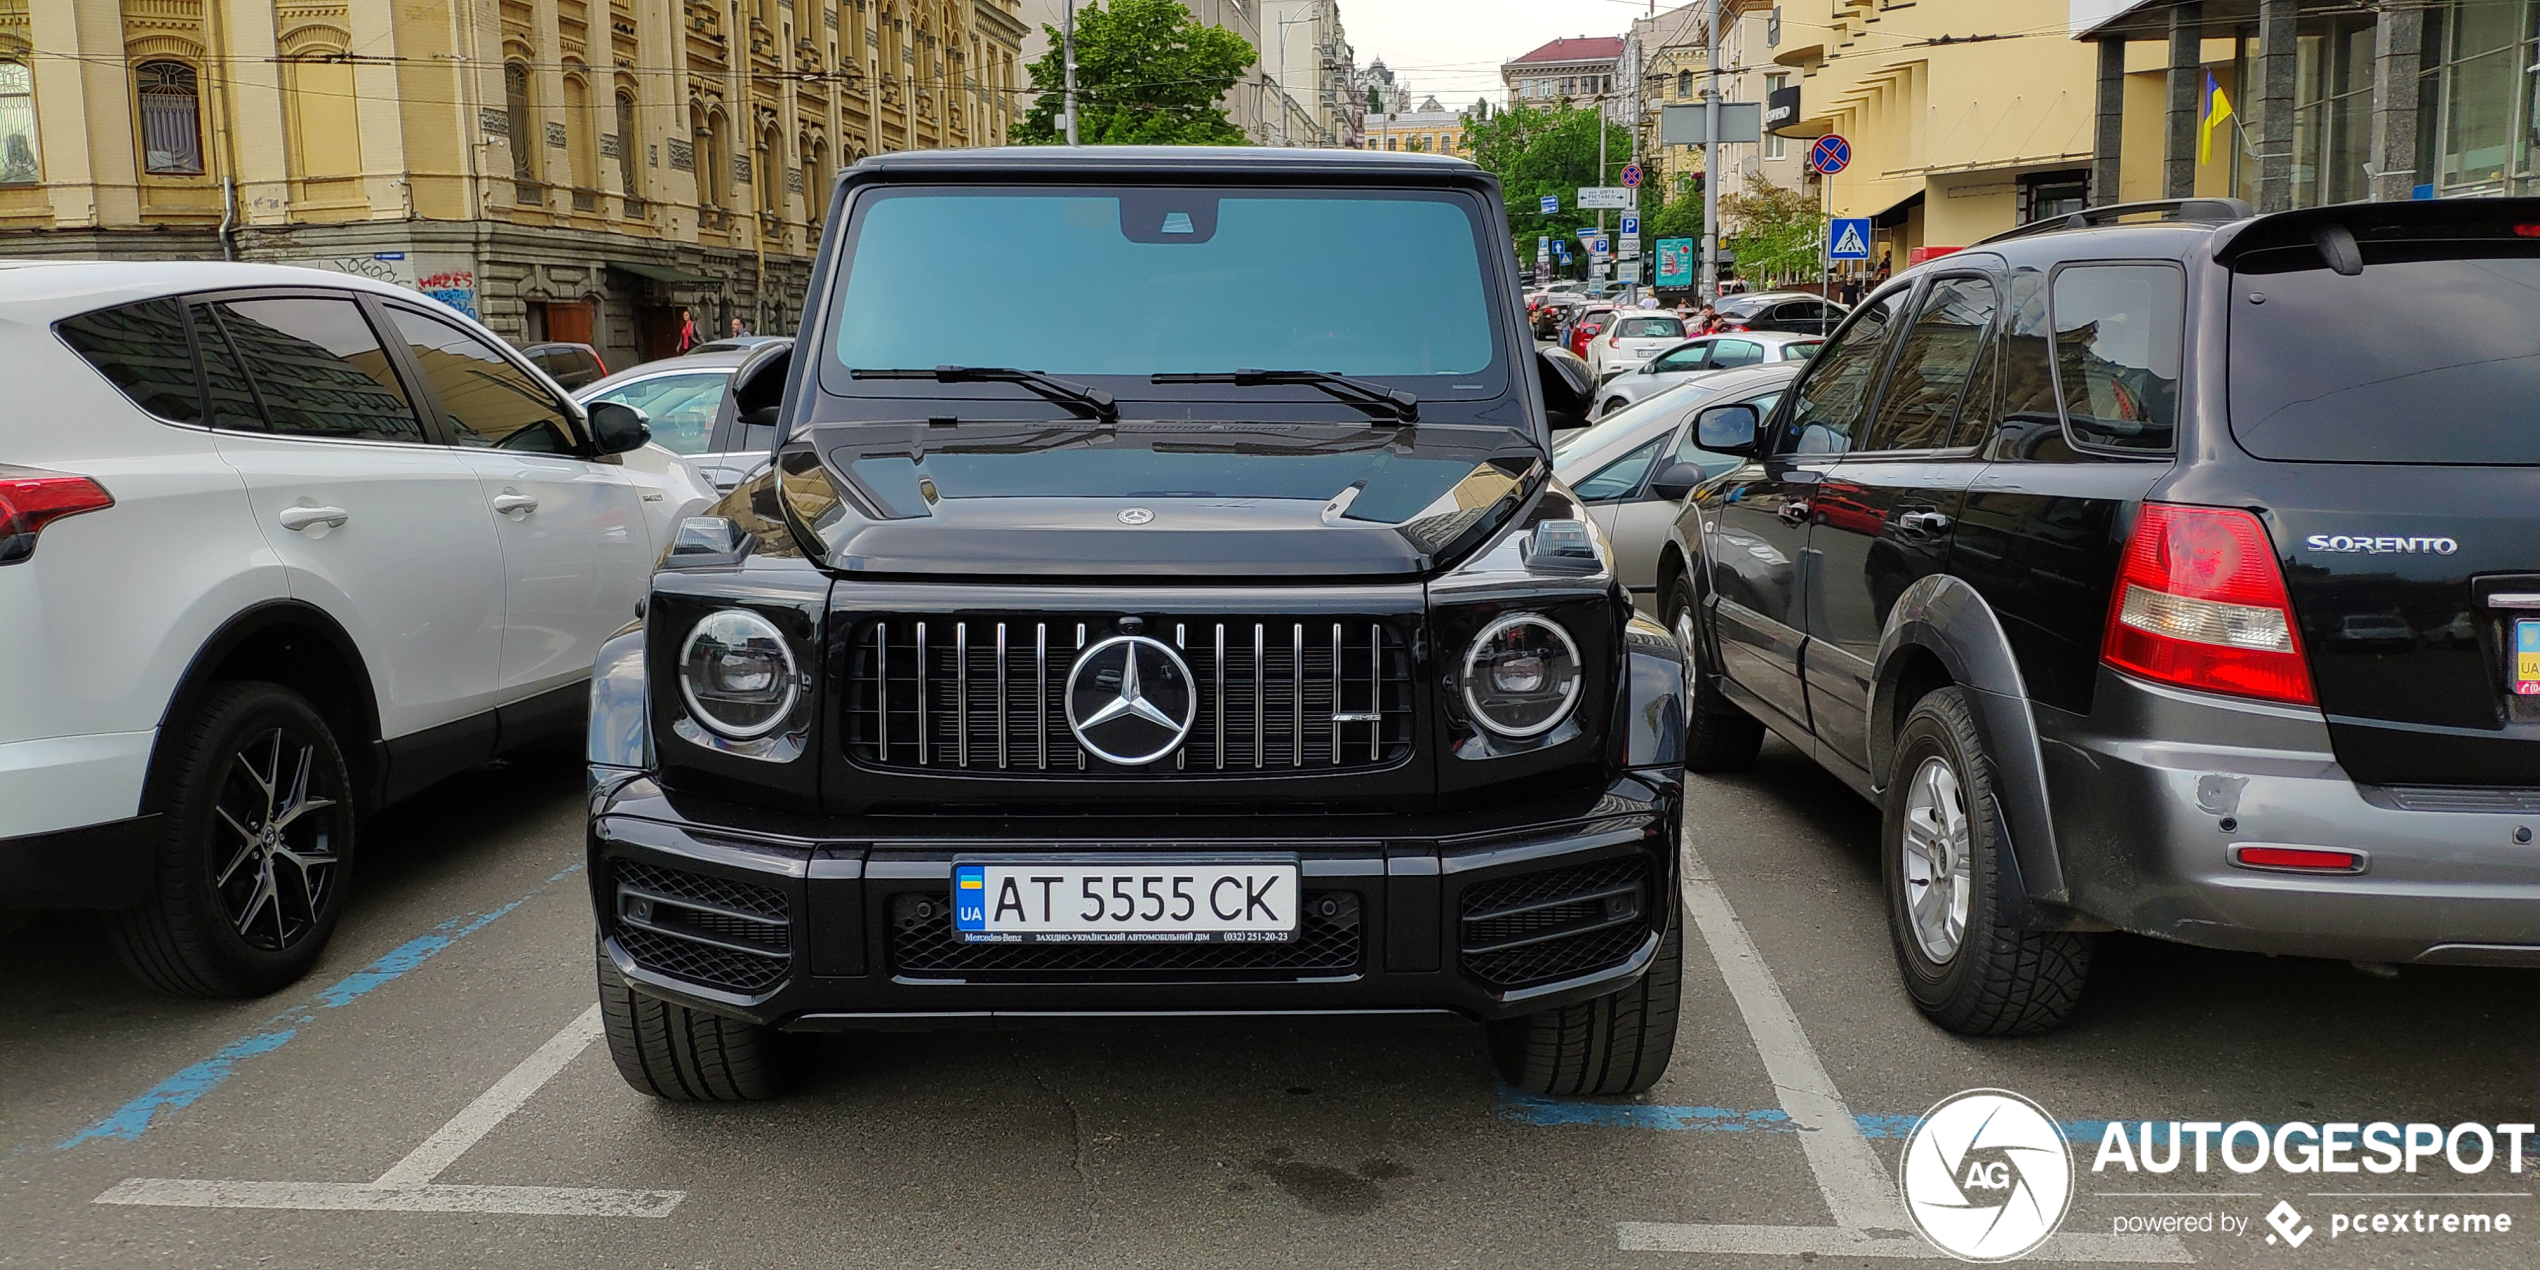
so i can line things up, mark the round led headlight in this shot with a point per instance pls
(1521, 676)
(737, 674)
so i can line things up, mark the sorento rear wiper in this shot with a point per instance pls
(1401, 404)
(1093, 402)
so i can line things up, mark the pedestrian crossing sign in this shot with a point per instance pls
(1848, 238)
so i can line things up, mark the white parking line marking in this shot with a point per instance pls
(534, 1201)
(1869, 1218)
(407, 1186)
(444, 1147)
(1856, 1186)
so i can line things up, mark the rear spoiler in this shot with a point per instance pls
(2338, 230)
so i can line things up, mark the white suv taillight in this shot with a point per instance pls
(31, 498)
(2200, 603)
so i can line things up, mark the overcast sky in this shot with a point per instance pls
(1453, 48)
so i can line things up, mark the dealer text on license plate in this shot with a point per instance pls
(1135, 901)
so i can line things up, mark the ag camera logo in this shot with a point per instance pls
(1987, 1176)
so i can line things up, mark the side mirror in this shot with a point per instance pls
(1726, 429)
(1567, 393)
(617, 427)
(1677, 481)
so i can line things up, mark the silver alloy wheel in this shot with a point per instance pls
(1938, 868)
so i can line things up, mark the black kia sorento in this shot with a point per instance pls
(2161, 568)
(1210, 639)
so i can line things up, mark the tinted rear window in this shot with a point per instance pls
(141, 347)
(1652, 328)
(2415, 360)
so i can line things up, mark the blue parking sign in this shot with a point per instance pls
(1631, 227)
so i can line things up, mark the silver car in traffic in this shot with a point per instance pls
(1702, 355)
(1635, 466)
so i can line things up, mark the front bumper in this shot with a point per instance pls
(2145, 830)
(821, 924)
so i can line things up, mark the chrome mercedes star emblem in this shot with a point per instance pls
(1135, 515)
(1130, 700)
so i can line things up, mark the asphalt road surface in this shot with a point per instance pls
(440, 1058)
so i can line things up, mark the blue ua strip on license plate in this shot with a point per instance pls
(2526, 657)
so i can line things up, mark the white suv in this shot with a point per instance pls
(278, 547)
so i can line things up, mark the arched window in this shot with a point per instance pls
(630, 166)
(171, 119)
(17, 126)
(582, 146)
(524, 128)
(770, 162)
(1684, 84)
(714, 163)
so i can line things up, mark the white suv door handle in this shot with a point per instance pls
(304, 518)
(508, 502)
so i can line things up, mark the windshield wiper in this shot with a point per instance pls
(1093, 403)
(1399, 403)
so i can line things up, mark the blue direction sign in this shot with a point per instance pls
(1848, 238)
(1831, 154)
(1551, 204)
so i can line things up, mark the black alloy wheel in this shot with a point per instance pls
(255, 851)
(279, 812)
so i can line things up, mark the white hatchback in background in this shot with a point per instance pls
(1630, 337)
(277, 547)
(1698, 357)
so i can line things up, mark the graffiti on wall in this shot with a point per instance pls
(449, 279)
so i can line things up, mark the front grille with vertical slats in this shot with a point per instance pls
(1275, 694)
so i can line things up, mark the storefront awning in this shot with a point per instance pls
(659, 273)
(1893, 216)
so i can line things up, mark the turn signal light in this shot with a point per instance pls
(2307, 859)
(31, 498)
(2200, 603)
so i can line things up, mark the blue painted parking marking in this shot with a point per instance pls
(191, 1083)
(1537, 1109)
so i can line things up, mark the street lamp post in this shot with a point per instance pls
(1067, 56)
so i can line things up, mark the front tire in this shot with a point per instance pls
(1942, 845)
(685, 1055)
(1719, 737)
(255, 853)
(1619, 1043)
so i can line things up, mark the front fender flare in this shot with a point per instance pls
(1945, 616)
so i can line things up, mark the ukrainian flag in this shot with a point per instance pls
(2217, 109)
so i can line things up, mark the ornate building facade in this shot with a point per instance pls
(564, 169)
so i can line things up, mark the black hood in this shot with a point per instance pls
(1177, 499)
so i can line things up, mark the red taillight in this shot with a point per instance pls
(603, 364)
(2307, 859)
(2527, 231)
(2200, 603)
(1616, 339)
(31, 498)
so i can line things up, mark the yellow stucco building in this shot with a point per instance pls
(566, 169)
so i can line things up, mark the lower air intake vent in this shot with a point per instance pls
(923, 945)
(1544, 927)
(713, 931)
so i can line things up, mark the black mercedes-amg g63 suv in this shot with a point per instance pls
(1208, 638)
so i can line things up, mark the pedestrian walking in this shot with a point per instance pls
(739, 328)
(687, 331)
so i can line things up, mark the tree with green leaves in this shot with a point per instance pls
(1375, 99)
(1679, 213)
(1551, 150)
(1147, 73)
(1778, 234)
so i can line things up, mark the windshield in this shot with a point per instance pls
(1137, 282)
(2410, 361)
